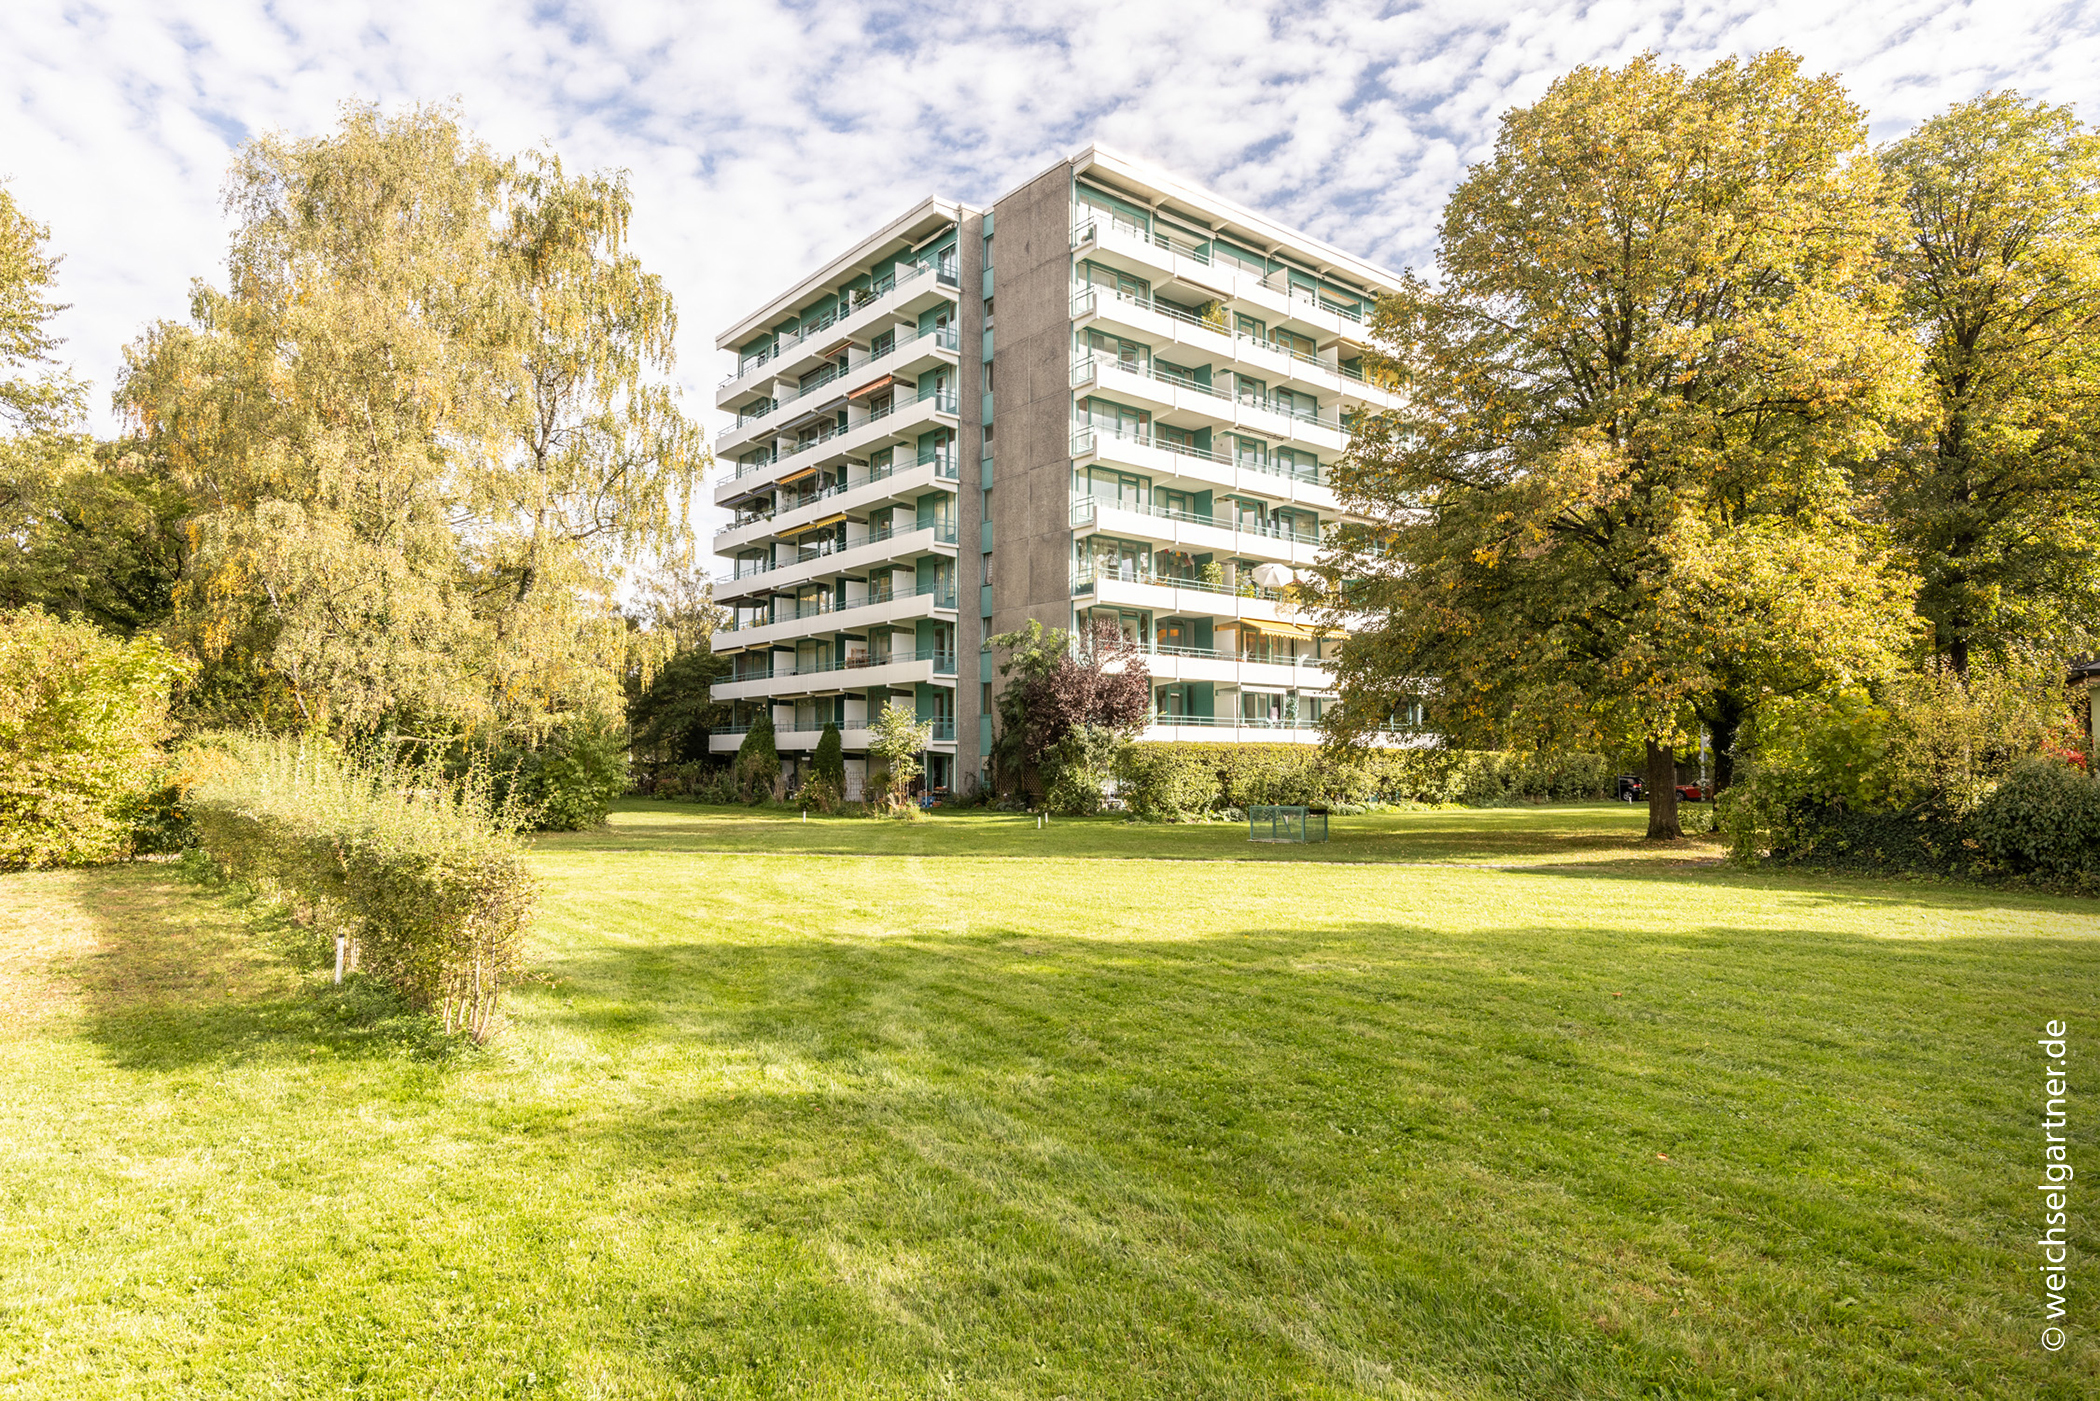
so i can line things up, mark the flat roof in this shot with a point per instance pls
(906, 231)
(1165, 190)
(1158, 188)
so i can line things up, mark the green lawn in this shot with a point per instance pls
(893, 1113)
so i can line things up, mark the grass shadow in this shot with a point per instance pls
(188, 973)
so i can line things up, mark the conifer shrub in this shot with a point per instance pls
(422, 873)
(826, 788)
(757, 764)
(81, 721)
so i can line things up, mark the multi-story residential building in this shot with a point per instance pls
(1109, 399)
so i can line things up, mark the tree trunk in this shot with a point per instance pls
(1958, 654)
(1661, 783)
(1725, 723)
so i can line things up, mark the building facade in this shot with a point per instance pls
(1110, 400)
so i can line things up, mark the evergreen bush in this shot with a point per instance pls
(757, 765)
(827, 771)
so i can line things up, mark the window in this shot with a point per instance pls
(1128, 354)
(1115, 418)
(1250, 390)
(988, 308)
(987, 557)
(1250, 327)
(1250, 452)
(883, 344)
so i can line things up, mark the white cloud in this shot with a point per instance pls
(763, 137)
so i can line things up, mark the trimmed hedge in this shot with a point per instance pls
(424, 877)
(1165, 780)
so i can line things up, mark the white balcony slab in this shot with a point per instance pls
(851, 618)
(900, 549)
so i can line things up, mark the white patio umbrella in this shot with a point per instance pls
(1273, 576)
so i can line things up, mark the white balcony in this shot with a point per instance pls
(855, 675)
(1185, 599)
(898, 486)
(848, 617)
(911, 357)
(898, 426)
(856, 558)
(1114, 242)
(1092, 515)
(1170, 464)
(912, 293)
(1140, 318)
(1164, 395)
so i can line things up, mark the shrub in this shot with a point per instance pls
(570, 781)
(1171, 780)
(894, 745)
(1168, 780)
(757, 763)
(2043, 822)
(422, 873)
(81, 718)
(826, 788)
(1079, 766)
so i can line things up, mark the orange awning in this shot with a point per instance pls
(796, 476)
(871, 386)
(819, 525)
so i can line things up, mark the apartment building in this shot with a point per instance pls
(1112, 399)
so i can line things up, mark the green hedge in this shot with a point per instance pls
(2039, 826)
(421, 874)
(1173, 780)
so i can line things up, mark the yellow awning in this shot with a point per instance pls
(819, 525)
(1282, 629)
(796, 476)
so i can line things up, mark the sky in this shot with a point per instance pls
(762, 138)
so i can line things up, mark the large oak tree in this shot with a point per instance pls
(1616, 504)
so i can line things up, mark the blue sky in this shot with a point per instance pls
(764, 136)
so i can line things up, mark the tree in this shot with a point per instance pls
(1055, 688)
(601, 463)
(670, 717)
(39, 403)
(1661, 336)
(422, 427)
(1997, 502)
(102, 539)
(895, 742)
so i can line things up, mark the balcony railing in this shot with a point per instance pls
(1082, 445)
(1085, 576)
(943, 665)
(943, 730)
(788, 611)
(1087, 369)
(1085, 506)
(945, 270)
(1276, 280)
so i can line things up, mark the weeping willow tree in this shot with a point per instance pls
(427, 424)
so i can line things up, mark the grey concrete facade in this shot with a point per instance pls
(1031, 449)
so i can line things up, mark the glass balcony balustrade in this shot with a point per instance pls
(1085, 509)
(946, 271)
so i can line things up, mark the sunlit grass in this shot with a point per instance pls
(916, 1118)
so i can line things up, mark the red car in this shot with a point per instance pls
(1691, 793)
